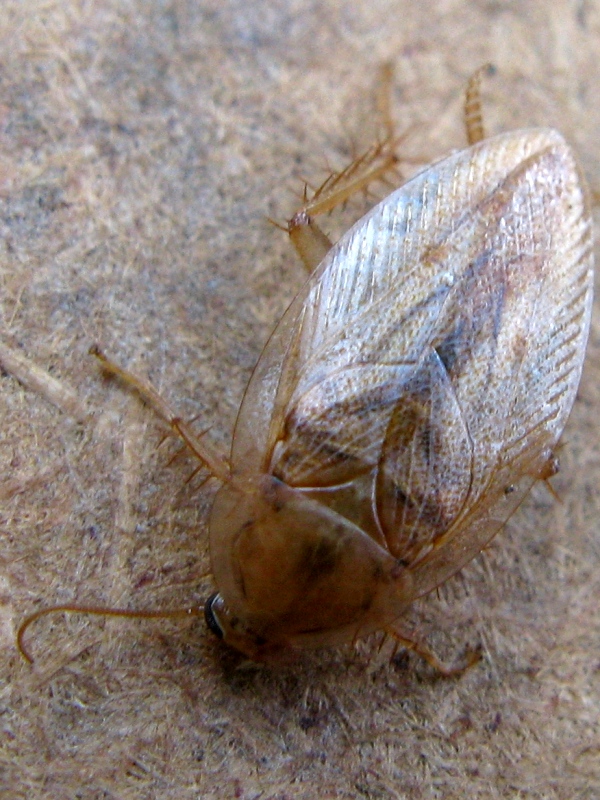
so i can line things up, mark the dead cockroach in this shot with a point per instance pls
(408, 399)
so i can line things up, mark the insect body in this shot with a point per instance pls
(408, 399)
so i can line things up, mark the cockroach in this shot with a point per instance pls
(408, 399)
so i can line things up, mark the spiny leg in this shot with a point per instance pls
(470, 658)
(306, 236)
(473, 114)
(549, 469)
(205, 453)
(369, 167)
(373, 165)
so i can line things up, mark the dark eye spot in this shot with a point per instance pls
(209, 616)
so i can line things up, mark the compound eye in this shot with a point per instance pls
(211, 619)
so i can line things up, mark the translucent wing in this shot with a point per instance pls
(422, 374)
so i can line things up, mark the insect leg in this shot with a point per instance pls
(471, 656)
(549, 469)
(210, 458)
(383, 99)
(473, 114)
(369, 167)
(213, 460)
(308, 239)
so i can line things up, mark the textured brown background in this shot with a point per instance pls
(142, 145)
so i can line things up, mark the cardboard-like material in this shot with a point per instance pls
(142, 146)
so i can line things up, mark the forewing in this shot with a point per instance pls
(517, 386)
(463, 269)
(503, 367)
